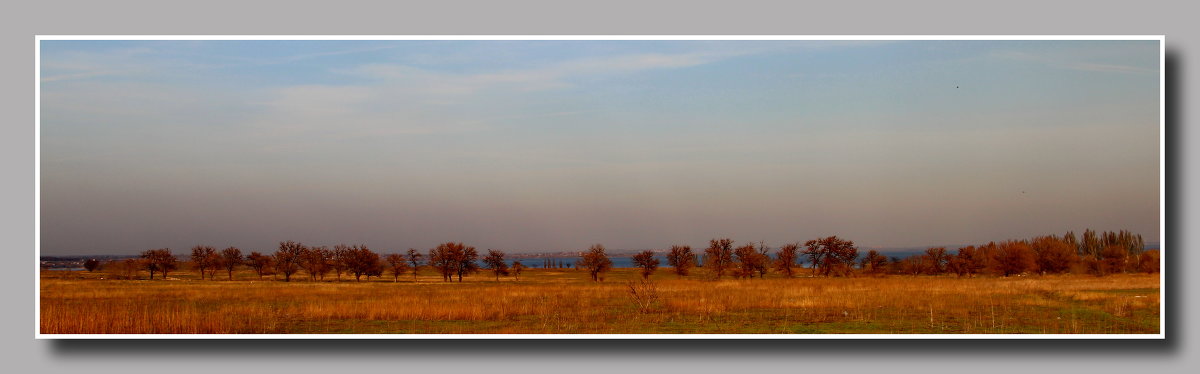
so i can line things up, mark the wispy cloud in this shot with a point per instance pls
(554, 76)
(1062, 63)
(143, 60)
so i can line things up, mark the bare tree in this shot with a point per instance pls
(596, 262)
(288, 258)
(231, 258)
(160, 260)
(785, 260)
(260, 263)
(398, 264)
(831, 254)
(764, 259)
(494, 261)
(203, 258)
(681, 259)
(516, 269)
(647, 262)
(414, 258)
(719, 256)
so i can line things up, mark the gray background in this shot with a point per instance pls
(21, 353)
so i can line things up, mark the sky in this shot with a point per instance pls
(531, 146)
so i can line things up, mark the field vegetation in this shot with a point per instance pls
(547, 301)
(1100, 284)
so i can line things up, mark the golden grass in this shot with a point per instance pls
(546, 301)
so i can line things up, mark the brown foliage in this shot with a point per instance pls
(494, 261)
(873, 262)
(160, 260)
(748, 261)
(1014, 257)
(785, 260)
(204, 258)
(516, 269)
(831, 255)
(262, 264)
(1053, 255)
(596, 262)
(317, 261)
(1148, 261)
(288, 258)
(361, 261)
(398, 264)
(231, 257)
(718, 257)
(681, 259)
(646, 261)
(935, 260)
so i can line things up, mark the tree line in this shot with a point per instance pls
(1092, 253)
(449, 259)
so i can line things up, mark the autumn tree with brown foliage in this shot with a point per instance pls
(261, 263)
(91, 264)
(203, 258)
(747, 259)
(316, 261)
(160, 260)
(785, 259)
(337, 260)
(831, 255)
(935, 260)
(1148, 261)
(596, 262)
(1014, 257)
(440, 260)
(231, 257)
(398, 264)
(361, 261)
(1112, 259)
(873, 263)
(646, 261)
(288, 258)
(494, 261)
(464, 260)
(1053, 255)
(516, 269)
(977, 260)
(681, 259)
(718, 257)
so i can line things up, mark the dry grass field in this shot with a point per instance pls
(566, 301)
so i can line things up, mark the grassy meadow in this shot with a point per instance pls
(546, 301)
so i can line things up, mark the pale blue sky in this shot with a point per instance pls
(555, 145)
